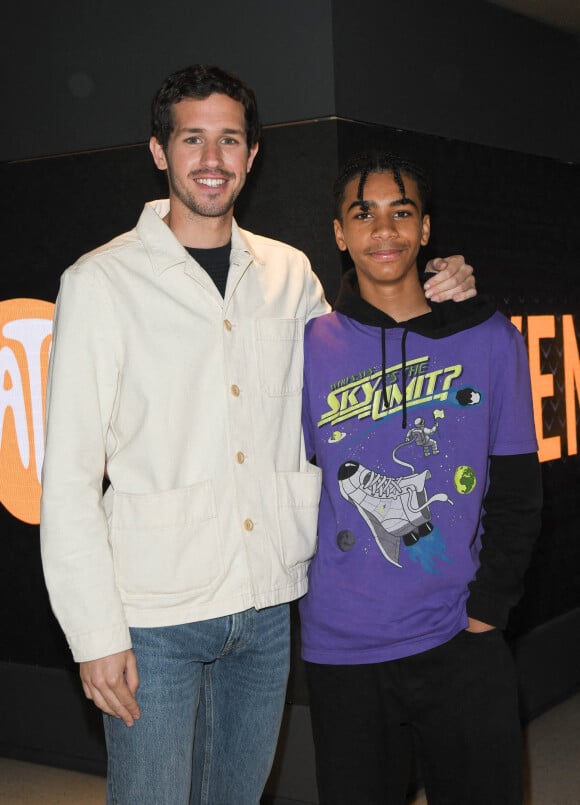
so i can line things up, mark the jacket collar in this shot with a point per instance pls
(165, 251)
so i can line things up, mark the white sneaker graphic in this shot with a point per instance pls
(391, 507)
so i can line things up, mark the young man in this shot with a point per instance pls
(176, 373)
(421, 421)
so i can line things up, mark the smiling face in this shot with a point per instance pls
(207, 156)
(382, 232)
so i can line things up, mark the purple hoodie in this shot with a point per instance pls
(405, 421)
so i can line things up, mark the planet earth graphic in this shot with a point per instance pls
(464, 480)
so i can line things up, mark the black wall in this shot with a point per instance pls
(80, 76)
(466, 70)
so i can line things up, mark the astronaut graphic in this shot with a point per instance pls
(393, 508)
(421, 435)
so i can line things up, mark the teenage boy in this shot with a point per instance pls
(421, 421)
(176, 371)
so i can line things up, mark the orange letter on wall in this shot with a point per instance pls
(25, 328)
(571, 381)
(542, 385)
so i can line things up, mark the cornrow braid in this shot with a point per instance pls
(363, 165)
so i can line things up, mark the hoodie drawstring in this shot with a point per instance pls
(384, 366)
(404, 373)
(403, 370)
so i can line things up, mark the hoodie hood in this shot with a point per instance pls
(445, 319)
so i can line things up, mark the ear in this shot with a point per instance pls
(425, 230)
(252, 156)
(339, 235)
(158, 153)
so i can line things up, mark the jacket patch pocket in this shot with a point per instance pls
(280, 355)
(298, 497)
(166, 543)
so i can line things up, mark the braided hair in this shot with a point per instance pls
(363, 165)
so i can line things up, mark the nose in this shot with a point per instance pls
(385, 227)
(211, 156)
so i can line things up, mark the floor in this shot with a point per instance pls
(552, 748)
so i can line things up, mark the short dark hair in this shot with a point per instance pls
(363, 165)
(200, 81)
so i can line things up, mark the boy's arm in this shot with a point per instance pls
(511, 523)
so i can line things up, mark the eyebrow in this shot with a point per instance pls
(199, 130)
(399, 202)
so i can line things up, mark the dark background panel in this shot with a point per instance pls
(81, 75)
(60, 208)
(289, 198)
(467, 70)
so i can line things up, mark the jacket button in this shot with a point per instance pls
(240, 457)
(228, 325)
(249, 524)
(235, 390)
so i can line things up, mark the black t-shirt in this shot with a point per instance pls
(216, 262)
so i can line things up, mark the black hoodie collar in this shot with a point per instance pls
(446, 318)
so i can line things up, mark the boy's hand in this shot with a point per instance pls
(452, 279)
(476, 626)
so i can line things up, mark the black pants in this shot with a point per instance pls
(457, 702)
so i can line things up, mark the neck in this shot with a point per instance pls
(199, 231)
(400, 301)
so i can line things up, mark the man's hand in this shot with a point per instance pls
(111, 683)
(476, 626)
(452, 279)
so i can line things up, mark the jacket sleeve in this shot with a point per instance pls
(316, 304)
(307, 429)
(82, 386)
(511, 523)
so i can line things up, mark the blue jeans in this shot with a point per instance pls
(211, 695)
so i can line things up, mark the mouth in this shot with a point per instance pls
(209, 182)
(385, 254)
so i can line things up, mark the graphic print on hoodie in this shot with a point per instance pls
(402, 420)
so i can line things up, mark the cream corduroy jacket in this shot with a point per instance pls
(189, 404)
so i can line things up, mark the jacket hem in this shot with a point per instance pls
(174, 616)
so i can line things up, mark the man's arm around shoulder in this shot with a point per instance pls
(449, 278)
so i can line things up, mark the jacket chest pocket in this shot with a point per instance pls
(280, 345)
